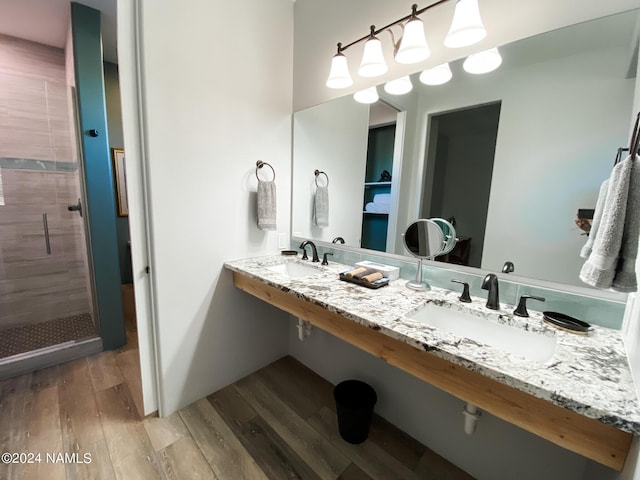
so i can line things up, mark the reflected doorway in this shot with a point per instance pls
(381, 168)
(460, 152)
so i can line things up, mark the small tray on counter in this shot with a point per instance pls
(566, 323)
(363, 283)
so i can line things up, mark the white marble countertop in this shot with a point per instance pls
(588, 374)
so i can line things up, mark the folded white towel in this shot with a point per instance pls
(267, 205)
(373, 207)
(595, 224)
(600, 268)
(321, 207)
(625, 279)
(382, 198)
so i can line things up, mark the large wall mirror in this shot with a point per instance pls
(509, 157)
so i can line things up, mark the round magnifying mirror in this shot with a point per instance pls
(423, 239)
(449, 232)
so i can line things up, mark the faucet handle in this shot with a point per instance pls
(465, 291)
(324, 258)
(521, 309)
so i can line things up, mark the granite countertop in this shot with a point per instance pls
(588, 374)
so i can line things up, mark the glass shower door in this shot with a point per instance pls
(45, 283)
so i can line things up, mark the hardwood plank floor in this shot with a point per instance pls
(278, 423)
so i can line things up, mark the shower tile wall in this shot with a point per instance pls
(39, 174)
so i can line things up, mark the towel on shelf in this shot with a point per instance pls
(625, 278)
(373, 207)
(266, 205)
(600, 268)
(382, 199)
(595, 224)
(321, 207)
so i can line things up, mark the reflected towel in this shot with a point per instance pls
(266, 205)
(595, 224)
(382, 198)
(600, 268)
(321, 207)
(625, 279)
(373, 207)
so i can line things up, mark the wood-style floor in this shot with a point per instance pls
(278, 423)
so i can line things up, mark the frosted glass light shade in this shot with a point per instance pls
(436, 75)
(483, 62)
(339, 76)
(368, 95)
(413, 46)
(399, 86)
(466, 27)
(373, 63)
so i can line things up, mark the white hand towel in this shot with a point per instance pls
(595, 224)
(600, 268)
(321, 207)
(266, 205)
(625, 279)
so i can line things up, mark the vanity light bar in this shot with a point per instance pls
(466, 27)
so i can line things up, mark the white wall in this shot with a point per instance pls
(331, 138)
(216, 97)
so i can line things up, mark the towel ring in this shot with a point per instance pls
(317, 173)
(260, 164)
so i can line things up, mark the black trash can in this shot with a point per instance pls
(354, 404)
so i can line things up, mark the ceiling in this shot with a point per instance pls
(46, 21)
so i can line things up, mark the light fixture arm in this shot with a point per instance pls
(414, 13)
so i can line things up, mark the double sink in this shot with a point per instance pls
(516, 340)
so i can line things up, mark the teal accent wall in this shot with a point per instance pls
(98, 171)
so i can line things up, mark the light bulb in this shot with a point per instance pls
(466, 27)
(368, 95)
(373, 63)
(339, 76)
(483, 62)
(436, 75)
(399, 86)
(413, 46)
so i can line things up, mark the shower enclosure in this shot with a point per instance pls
(46, 300)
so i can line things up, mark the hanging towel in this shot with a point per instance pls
(595, 224)
(266, 205)
(625, 279)
(600, 268)
(321, 207)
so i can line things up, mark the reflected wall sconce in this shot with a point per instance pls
(483, 62)
(466, 29)
(368, 95)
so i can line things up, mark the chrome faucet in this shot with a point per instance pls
(313, 249)
(490, 283)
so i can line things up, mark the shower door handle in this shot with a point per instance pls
(46, 233)
(76, 208)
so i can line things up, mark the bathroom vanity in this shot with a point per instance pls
(579, 395)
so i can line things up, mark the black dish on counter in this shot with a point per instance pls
(566, 322)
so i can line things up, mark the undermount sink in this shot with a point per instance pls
(294, 269)
(530, 345)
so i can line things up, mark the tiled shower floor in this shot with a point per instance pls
(26, 338)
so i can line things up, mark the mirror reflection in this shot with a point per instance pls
(508, 157)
